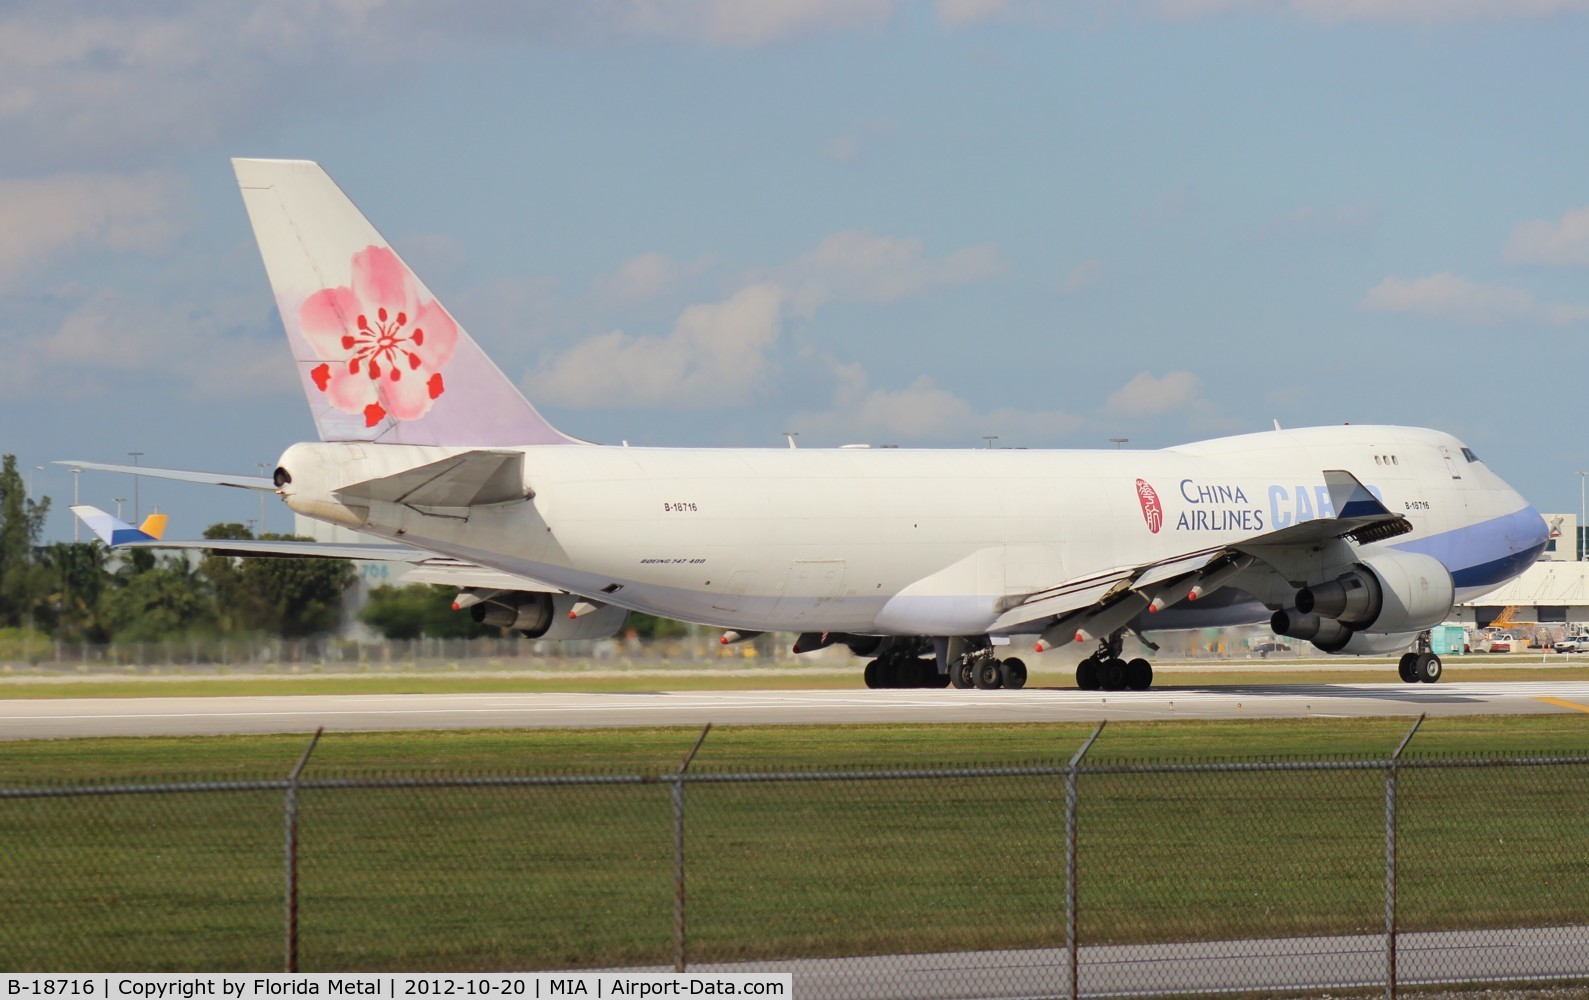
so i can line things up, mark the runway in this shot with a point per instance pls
(156, 716)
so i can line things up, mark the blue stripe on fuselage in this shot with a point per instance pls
(1487, 554)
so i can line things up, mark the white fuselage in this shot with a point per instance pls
(915, 542)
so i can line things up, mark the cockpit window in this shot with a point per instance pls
(1467, 453)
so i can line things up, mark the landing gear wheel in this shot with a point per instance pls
(1113, 673)
(961, 676)
(1139, 674)
(1014, 672)
(1407, 668)
(986, 673)
(1087, 675)
(1428, 668)
(871, 674)
(939, 681)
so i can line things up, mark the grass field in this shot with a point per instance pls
(453, 877)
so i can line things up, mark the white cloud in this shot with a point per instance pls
(647, 276)
(1147, 395)
(859, 266)
(114, 336)
(1540, 241)
(718, 354)
(923, 411)
(49, 217)
(1087, 274)
(1446, 296)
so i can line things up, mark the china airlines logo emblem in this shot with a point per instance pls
(1152, 510)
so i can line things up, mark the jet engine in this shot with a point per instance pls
(548, 616)
(1368, 644)
(1388, 594)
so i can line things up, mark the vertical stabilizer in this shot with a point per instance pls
(381, 360)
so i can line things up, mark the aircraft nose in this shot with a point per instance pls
(1529, 532)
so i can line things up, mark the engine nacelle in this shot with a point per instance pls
(1385, 593)
(1322, 632)
(546, 616)
(1369, 644)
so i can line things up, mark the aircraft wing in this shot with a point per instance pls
(1360, 517)
(182, 475)
(423, 566)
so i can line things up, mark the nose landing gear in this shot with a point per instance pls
(1420, 665)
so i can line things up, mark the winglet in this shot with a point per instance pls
(1350, 497)
(113, 531)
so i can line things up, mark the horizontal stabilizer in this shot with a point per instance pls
(113, 531)
(472, 479)
(181, 475)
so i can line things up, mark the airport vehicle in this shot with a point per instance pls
(1356, 538)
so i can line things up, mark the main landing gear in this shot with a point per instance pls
(900, 665)
(1106, 671)
(1420, 664)
(979, 668)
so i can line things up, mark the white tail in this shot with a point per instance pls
(381, 360)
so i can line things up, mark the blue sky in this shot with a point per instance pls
(863, 220)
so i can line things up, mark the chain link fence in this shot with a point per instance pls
(1083, 877)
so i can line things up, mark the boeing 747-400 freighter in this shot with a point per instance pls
(1356, 538)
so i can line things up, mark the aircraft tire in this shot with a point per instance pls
(1139, 674)
(987, 675)
(1113, 674)
(871, 674)
(1087, 678)
(925, 673)
(1014, 672)
(960, 675)
(1407, 668)
(1428, 668)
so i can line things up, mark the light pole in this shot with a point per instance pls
(990, 438)
(1579, 532)
(36, 468)
(136, 511)
(77, 522)
(119, 502)
(1118, 442)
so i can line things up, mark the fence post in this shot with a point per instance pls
(1390, 860)
(292, 852)
(678, 851)
(1071, 792)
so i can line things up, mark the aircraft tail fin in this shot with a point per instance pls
(113, 531)
(380, 359)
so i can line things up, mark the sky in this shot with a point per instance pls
(865, 221)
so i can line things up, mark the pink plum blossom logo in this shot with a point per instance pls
(383, 348)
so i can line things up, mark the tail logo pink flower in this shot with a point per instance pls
(382, 348)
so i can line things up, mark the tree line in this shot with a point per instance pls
(87, 592)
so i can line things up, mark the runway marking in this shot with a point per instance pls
(1564, 704)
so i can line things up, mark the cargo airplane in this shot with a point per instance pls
(1356, 538)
